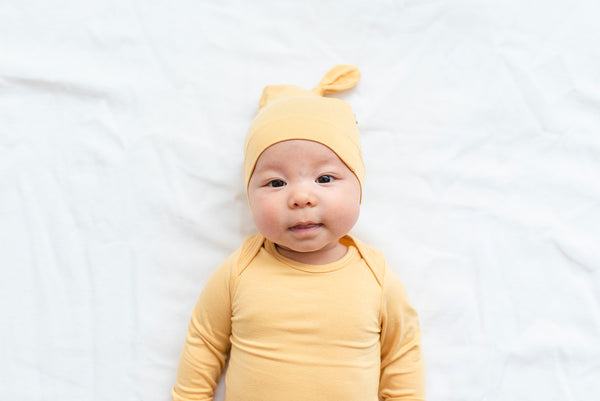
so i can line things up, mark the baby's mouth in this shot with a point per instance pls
(305, 226)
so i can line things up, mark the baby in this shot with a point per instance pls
(305, 311)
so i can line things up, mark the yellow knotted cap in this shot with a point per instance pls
(288, 112)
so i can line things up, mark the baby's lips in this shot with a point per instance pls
(305, 225)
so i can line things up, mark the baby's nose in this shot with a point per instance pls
(302, 197)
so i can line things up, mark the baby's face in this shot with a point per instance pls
(304, 199)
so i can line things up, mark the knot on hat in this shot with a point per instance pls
(339, 78)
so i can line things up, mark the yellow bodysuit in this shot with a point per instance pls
(343, 331)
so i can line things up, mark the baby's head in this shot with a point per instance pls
(303, 168)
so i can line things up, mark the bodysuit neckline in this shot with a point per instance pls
(350, 256)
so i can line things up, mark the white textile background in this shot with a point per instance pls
(121, 129)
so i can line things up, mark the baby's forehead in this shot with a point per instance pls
(291, 152)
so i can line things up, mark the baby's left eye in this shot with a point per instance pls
(325, 179)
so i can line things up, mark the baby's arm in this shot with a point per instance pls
(207, 341)
(402, 371)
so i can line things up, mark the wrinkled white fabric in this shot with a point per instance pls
(121, 134)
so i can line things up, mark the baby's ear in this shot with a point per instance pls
(339, 78)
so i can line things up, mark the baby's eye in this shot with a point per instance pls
(276, 183)
(325, 179)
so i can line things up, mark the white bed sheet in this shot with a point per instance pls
(121, 128)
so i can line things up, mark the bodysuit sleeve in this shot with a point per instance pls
(402, 372)
(207, 341)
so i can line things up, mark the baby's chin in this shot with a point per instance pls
(304, 248)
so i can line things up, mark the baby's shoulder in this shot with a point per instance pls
(241, 258)
(373, 257)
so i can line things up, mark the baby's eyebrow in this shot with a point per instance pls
(268, 167)
(329, 165)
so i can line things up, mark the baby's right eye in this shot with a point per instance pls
(276, 183)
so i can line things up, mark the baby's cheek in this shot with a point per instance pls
(266, 219)
(345, 215)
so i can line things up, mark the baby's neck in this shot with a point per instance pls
(318, 257)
